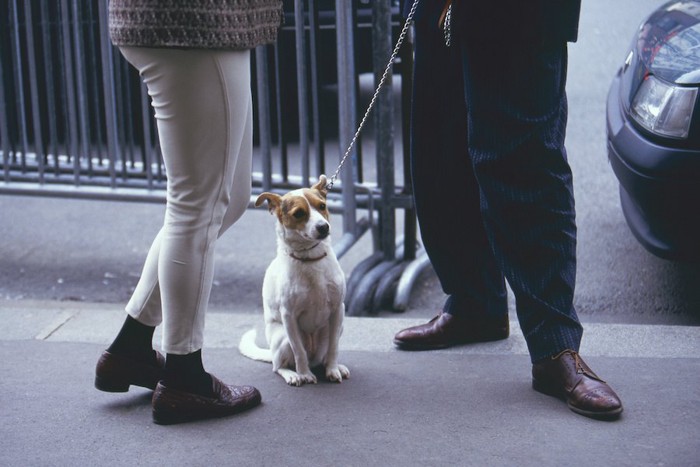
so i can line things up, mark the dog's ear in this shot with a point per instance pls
(321, 185)
(273, 200)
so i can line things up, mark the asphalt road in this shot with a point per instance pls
(92, 251)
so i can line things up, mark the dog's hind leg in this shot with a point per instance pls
(283, 362)
(295, 341)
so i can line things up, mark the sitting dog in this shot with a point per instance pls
(303, 291)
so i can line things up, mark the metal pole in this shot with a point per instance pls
(34, 91)
(70, 91)
(4, 129)
(315, 87)
(19, 76)
(264, 126)
(52, 146)
(410, 221)
(347, 115)
(93, 55)
(384, 126)
(302, 93)
(81, 79)
(108, 89)
(284, 164)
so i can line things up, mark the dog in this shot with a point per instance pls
(303, 291)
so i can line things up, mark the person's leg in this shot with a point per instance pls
(202, 103)
(447, 200)
(145, 305)
(445, 190)
(515, 87)
(134, 340)
(203, 110)
(515, 90)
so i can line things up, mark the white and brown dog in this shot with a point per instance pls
(303, 291)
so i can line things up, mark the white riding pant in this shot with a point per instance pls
(203, 108)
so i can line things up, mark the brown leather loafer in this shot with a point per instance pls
(176, 406)
(115, 373)
(567, 377)
(446, 330)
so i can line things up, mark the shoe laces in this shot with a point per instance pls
(580, 365)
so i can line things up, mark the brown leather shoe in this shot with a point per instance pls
(567, 377)
(446, 330)
(115, 373)
(176, 406)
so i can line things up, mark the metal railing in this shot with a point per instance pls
(75, 121)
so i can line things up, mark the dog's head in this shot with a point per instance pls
(302, 214)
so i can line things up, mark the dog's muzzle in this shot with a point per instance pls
(322, 230)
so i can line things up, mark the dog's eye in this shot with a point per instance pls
(322, 207)
(299, 213)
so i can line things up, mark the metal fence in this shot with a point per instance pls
(75, 121)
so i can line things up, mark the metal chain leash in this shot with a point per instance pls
(399, 41)
(447, 25)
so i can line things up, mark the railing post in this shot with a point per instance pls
(347, 115)
(4, 128)
(263, 88)
(19, 86)
(108, 89)
(384, 126)
(81, 84)
(302, 92)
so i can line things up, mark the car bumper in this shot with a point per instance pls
(659, 187)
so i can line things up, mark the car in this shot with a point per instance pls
(653, 132)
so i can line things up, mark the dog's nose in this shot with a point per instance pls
(323, 230)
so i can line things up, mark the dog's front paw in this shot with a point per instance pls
(299, 379)
(307, 378)
(337, 373)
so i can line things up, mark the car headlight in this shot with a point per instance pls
(663, 108)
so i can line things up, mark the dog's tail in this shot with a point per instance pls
(250, 349)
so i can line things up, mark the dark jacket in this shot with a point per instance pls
(550, 19)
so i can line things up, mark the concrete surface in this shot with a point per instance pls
(68, 266)
(470, 405)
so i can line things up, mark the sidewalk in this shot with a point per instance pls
(471, 405)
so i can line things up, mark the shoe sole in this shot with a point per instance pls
(548, 391)
(406, 346)
(171, 418)
(108, 385)
(170, 412)
(610, 415)
(160, 418)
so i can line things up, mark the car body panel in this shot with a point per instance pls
(659, 176)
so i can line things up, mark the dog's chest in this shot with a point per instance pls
(314, 287)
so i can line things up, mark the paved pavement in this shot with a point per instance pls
(467, 406)
(470, 405)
